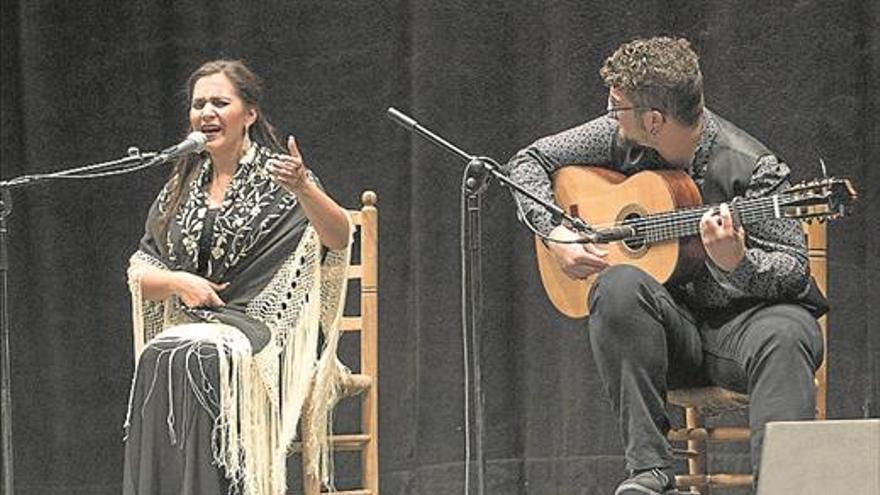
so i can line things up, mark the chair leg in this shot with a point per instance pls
(696, 465)
(311, 481)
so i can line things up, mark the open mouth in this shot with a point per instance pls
(211, 131)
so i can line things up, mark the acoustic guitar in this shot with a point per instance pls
(660, 212)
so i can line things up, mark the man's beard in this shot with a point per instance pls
(637, 141)
(628, 142)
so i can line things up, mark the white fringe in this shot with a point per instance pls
(255, 428)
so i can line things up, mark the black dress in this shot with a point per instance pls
(174, 400)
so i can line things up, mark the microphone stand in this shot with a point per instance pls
(478, 172)
(105, 169)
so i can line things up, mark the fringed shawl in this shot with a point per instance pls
(284, 289)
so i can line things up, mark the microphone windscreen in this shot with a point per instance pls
(199, 138)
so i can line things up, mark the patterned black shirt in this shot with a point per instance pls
(775, 266)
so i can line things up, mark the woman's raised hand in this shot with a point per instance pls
(289, 170)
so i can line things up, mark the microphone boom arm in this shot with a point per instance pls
(103, 169)
(482, 165)
(194, 143)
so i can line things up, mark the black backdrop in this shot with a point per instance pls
(82, 81)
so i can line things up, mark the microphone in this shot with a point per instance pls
(194, 143)
(613, 234)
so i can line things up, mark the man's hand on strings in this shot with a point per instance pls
(725, 242)
(578, 261)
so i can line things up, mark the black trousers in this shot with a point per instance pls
(644, 343)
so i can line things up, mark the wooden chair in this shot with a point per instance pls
(366, 324)
(698, 401)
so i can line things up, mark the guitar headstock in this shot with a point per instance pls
(822, 198)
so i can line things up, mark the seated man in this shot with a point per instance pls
(739, 321)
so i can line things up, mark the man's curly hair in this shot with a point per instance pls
(661, 73)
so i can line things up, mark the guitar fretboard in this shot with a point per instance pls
(686, 222)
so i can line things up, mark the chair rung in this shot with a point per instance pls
(350, 442)
(686, 453)
(715, 480)
(350, 324)
(344, 443)
(717, 434)
(356, 384)
(352, 492)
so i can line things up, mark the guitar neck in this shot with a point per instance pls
(682, 223)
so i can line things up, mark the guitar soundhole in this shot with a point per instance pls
(638, 243)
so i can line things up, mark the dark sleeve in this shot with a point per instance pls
(533, 166)
(149, 244)
(776, 265)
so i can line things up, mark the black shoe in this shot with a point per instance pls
(651, 482)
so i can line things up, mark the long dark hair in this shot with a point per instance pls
(249, 89)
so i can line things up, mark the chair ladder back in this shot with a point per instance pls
(366, 220)
(369, 273)
(817, 248)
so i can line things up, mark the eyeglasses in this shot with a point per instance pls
(611, 112)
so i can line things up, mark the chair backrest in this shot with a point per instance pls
(817, 248)
(364, 269)
(367, 271)
(364, 323)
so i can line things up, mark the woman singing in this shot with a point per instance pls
(241, 266)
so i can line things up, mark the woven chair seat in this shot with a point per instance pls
(709, 401)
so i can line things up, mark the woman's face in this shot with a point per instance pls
(218, 111)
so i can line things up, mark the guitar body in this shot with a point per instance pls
(603, 197)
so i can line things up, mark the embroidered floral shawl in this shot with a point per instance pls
(283, 288)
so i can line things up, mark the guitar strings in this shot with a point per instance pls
(663, 228)
(685, 220)
(687, 215)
